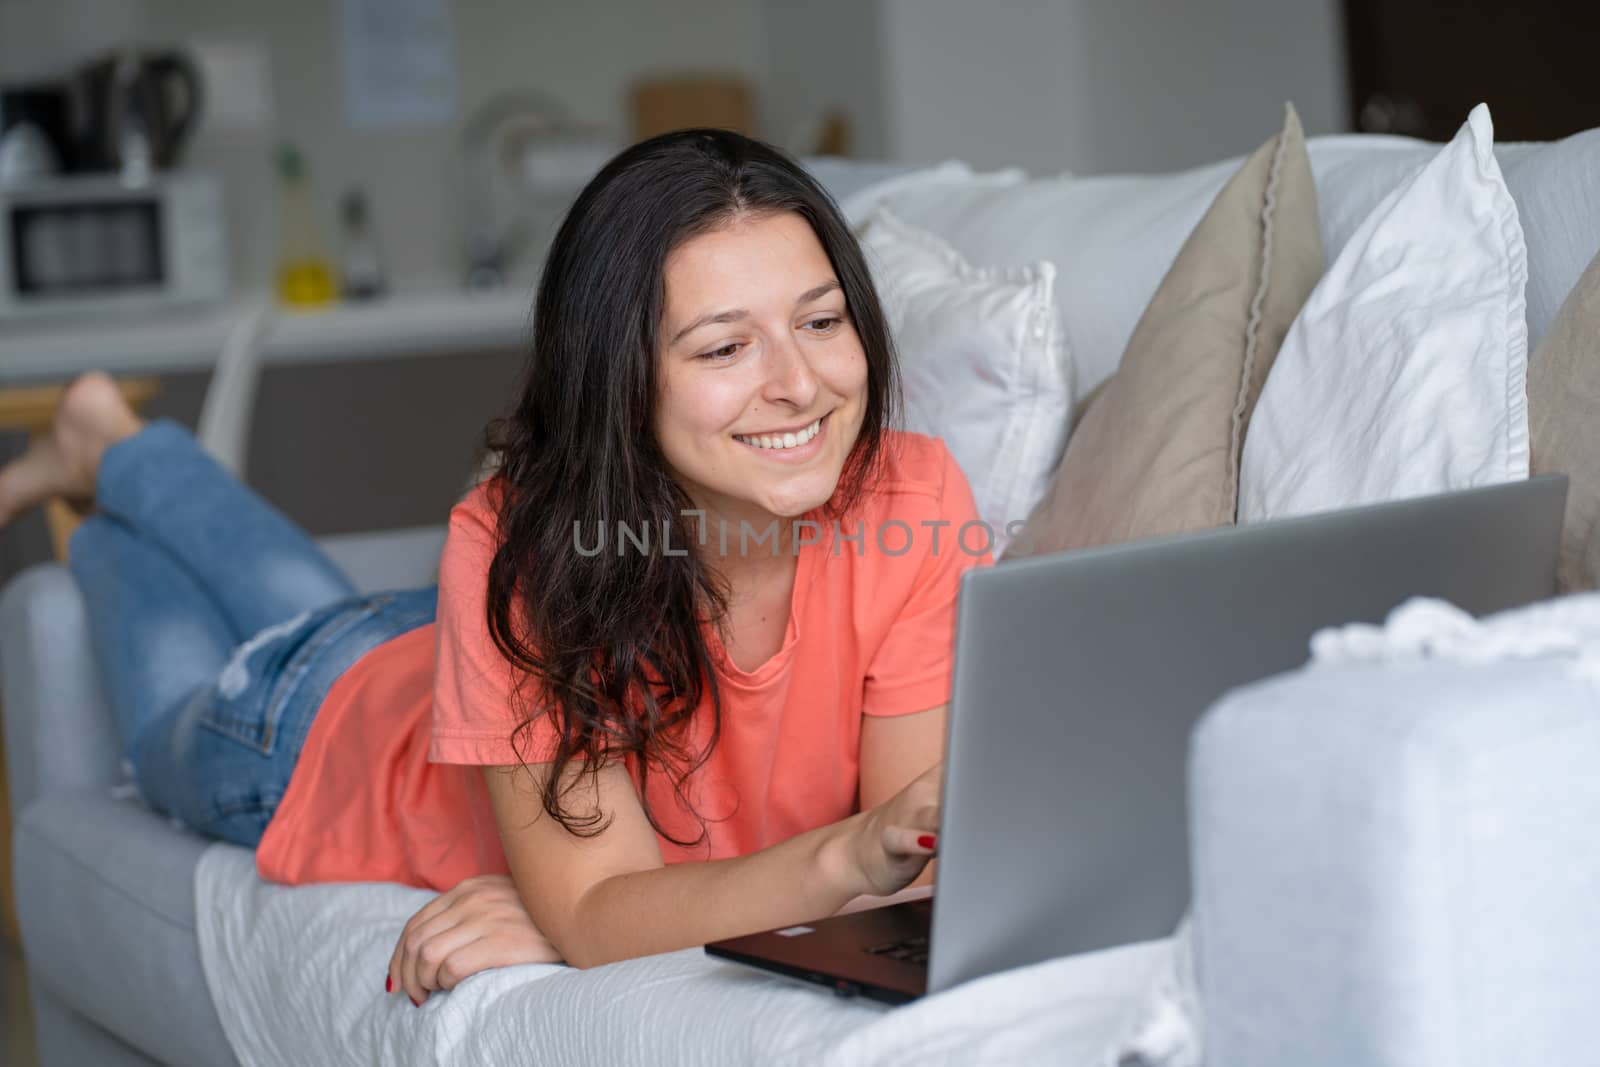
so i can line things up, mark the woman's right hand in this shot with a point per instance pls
(893, 842)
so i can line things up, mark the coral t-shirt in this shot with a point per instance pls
(388, 785)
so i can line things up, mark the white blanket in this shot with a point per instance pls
(297, 977)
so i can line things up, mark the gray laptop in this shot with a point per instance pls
(1078, 678)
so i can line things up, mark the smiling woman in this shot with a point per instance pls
(592, 754)
(774, 714)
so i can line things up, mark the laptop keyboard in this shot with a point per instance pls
(912, 950)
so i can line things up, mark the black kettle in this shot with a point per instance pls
(135, 110)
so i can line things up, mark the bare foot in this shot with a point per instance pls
(64, 462)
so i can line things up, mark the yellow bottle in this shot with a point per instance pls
(305, 271)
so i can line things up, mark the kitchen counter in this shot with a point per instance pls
(400, 325)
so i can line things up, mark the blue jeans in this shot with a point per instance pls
(218, 626)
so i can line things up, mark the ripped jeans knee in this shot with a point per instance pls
(221, 760)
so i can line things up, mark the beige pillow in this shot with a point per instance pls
(1158, 451)
(1564, 423)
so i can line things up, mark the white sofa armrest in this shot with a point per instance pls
(59, 732)
(1395, 866)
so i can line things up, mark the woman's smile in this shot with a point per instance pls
(788, 446)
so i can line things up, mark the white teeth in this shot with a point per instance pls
(778, 442)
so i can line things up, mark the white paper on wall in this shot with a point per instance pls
(399, 63)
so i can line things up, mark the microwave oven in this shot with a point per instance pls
(91, 244)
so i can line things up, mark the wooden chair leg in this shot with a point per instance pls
(61, 520)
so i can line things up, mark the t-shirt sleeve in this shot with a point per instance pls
(911, 669)
(475, 710)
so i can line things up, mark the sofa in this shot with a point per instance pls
(105, 887)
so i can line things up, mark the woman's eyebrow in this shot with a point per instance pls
(811, 294)
(735, 314)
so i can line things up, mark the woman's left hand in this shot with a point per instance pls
(479, 924)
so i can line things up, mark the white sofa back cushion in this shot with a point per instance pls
(1113, 237)
(981, 362)
(1406, 371)
(861, 203)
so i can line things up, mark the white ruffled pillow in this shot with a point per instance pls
(1406, 371)
(982, 362)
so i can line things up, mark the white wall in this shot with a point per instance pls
(824, 55)
(40, 38)
(1096, 86)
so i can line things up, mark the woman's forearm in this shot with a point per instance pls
(687, 904)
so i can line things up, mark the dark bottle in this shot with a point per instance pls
(360, 267)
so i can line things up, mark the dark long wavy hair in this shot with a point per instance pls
(610, 646)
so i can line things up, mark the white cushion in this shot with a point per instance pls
(1112, 237)
(292, 970)
(1553, 185)
(981, 361)
(1406, 371)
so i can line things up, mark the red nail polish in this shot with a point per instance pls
(415, 1003)
(388, 984)
(927, 841)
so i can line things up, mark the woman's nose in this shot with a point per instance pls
(790, 377)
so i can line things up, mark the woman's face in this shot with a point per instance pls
(762, 378)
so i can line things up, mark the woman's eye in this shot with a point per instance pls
(824, 325)
(727, 351)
